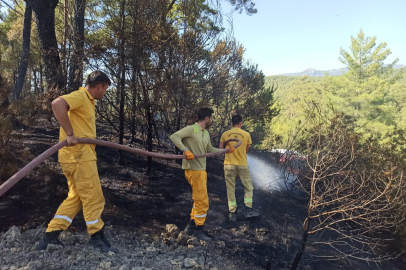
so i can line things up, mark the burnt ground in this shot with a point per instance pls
(145, 204)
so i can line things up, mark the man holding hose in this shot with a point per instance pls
(196, 140)
(75, 113)
(237, 166)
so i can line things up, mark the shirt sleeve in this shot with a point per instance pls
(74, 99)
(177, 137)
(211, 149)
(249, 139)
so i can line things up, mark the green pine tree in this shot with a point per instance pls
(366, 58)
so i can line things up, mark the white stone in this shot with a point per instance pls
(189, 263)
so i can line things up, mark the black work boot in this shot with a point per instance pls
(49, 238)
(250, 212)
(233, 216)
(201, 234)
(98, 240)
(190, 227)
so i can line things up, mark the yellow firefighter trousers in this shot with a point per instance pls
(231, 172)
(84, 191)
(198, 181)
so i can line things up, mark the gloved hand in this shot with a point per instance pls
(189, 155)
(232, 149)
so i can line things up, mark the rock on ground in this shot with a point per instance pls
(136, 252)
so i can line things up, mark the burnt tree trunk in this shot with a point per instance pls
(134, 73)
(121, 75)
(44, 11)
(64, 42)
(300, 252)
(76, 64)
(41, 78)
(149, 115)
(149, 137)
(25, 55)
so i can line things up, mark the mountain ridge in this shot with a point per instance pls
(320, 73)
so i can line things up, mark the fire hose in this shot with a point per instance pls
(36, 161)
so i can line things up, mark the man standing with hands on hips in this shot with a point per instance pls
(75, 113)
(196, 140)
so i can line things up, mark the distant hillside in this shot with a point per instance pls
(320, 73)
(281, 82)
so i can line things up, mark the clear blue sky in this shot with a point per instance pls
(292, 35)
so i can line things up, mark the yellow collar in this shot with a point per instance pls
(87, 93)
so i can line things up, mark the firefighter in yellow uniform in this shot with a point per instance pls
(75, 113)
(196, 140)
(236, 165)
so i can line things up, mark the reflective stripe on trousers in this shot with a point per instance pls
(84, 192)
(198, 181)
(231, 172)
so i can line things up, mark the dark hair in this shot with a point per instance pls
(236, 119)
(97, 77)
(203, 113)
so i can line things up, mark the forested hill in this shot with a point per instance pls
(281, 82)
(321, 73)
